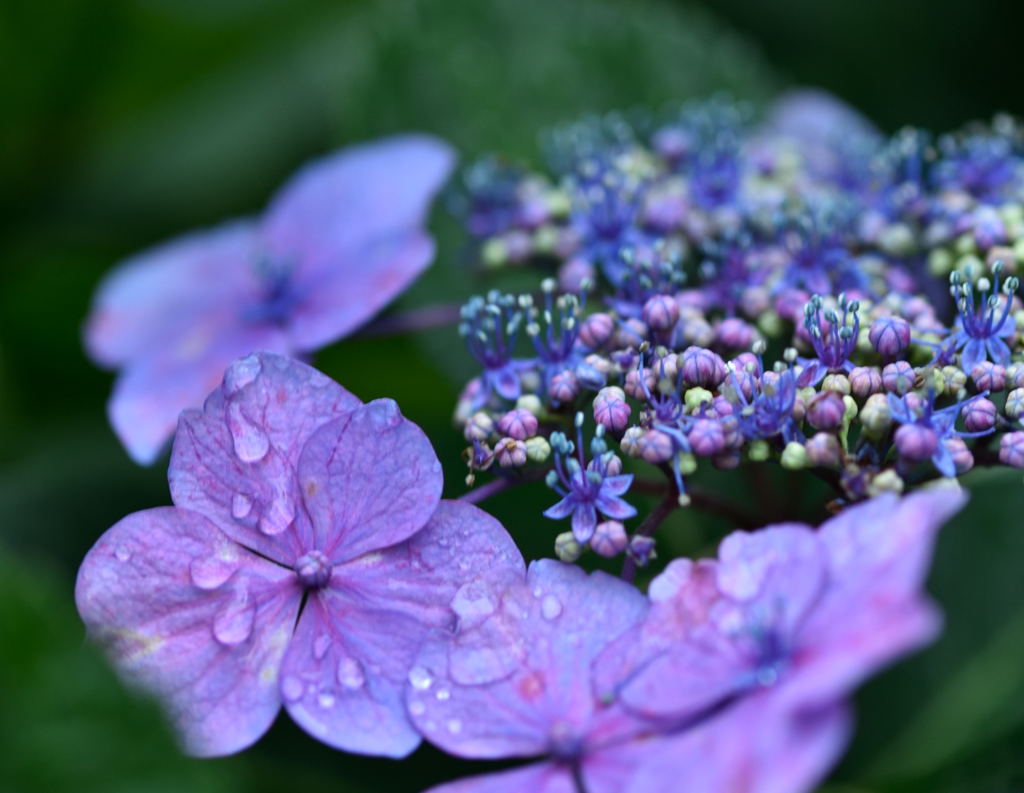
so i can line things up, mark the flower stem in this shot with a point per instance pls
(485, 491)
(417, 319)
(650, 525)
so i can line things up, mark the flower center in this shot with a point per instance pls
(313, 570)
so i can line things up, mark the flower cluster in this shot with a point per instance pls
(800, 290)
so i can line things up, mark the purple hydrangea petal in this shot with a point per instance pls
(344, 674)
(584, 520)
(972, 354)
(617, 485)
(369, 479)
(151, 392)
(816, 118)
(943, 461)
(553, 628)
(754, 747)
(336, 205)
(358, 286)
(445, 567)
(536, 778)
(234, 461)
(563, 509)
(154, 298)
(615, 507)
(998, 351)
(192, 617)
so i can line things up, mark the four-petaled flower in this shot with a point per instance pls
(306, 558)
(338, 242)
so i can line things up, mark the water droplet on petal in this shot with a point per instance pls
(241, 373)
(420, 678)
(122, 554)
(384, 413)
(550, 607)
(350, 673)
(436, 467)
(417, 708)
(325, 701)
(321, 644)
(251, 442)
(454, 726)
(472, 604)
(537, 592)
(209, 572)
(443, 694)
(241, 506)
(234, 624)
(291, 688)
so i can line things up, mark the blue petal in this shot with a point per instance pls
(584, 519)
(972, 354)
(943, 461)
(898, 408)
(616, 485)
(506, 383)
(810, 376)
(998, 351)
(562, 509)
(615, 507)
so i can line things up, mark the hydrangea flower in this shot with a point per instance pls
(337, 243)
(515, 681)
(786, 616)
(306, 558)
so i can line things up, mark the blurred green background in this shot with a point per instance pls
(125, 122)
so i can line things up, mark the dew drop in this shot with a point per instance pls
(291, 688)
(251, 443)
(472, 604)
(537, 592)
(350, 673)
(241, 373)
(209, 572)
(417, 708)
(122, 554)
(436, 467)
(443, 694)
(550, 607)
(454, 726)
(384, 413)
(241, 506)
(234, 625)
(321, 644)
(420, 678)
(325, 701)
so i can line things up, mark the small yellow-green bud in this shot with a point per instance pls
(494, 253)
(940, 263)
(530, 402)
(537, 449)
(886, 482)
(770, 324)
(687, 463)
(839, 383)
(875, 416)
(794, 456)
(567, 548)
(758, 451)
(695, 397)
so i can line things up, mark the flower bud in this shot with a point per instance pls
(655, 447)
(1014, 407)
(837, 383)
(706, 437)
(1011, 449)
(478, 427)
(962, 457)
(916, 442)
(661, 313)
(530, 402)
(567, 547)
(518, 423)
(695, 397)
(574, 274)
(563, 387)
(888, 481)
(702, 367)
(979, 415)
(865, 381)
(890, 336)
(537, 449)
(823, 450)
(875, 416)
(988, 376)
(898, 377)
(611, 410)
(630, 443)
(825, 411)
(734, 333)
(596, 330)
(609, 538)
(635, 387)
(794, 456)
(758, 451)
(510, 453)
(955, 380)
(1015, 374)
(641, 549)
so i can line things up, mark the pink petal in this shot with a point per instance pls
(187, 614)
(535, 778)
(451, 564)
(369, 480)
(151, 392)
(155, 297)
(336, 205)
(234, 461)
(343, 676)
(550, 632)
